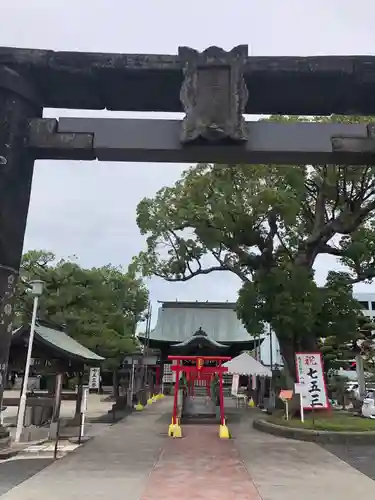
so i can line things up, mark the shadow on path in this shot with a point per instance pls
(361, 458)
(14, 472)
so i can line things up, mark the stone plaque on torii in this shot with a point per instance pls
(214, 88)
(214, 95)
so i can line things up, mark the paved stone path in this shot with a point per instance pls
(116, 463)
(135, 460)
(200, 466)
(286, 469)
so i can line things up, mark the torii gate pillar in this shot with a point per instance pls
(18, 104)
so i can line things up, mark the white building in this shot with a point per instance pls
(367, 301)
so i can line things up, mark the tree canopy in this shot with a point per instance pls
(267, 224)
(99, 306)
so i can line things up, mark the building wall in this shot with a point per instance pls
(367, 300)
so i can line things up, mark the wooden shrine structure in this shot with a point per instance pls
(55, 354)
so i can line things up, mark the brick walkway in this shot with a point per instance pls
(200, 466)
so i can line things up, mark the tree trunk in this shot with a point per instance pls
(115, 385)
(288, 350)
(288, 353)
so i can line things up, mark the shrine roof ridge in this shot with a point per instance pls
(313, 85)
(178, 321)
(197, 304)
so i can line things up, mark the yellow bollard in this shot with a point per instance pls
(174, 430)
(251, 403)
(224, 431)
(139, 407)
(177, 432)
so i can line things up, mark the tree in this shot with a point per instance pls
(344, 324)
(338, 388)
(364, 343)
(266, 224)
(305, 316)
(100, 306)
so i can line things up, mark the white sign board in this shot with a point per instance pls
(300, 389)
(235, 382)
(94, 378)
(310, 374)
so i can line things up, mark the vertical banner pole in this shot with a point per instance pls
(132, 384)
(83, 413)
(176, 389)
(221, 395)
(253, 382)
(301, 407)
(271, 349)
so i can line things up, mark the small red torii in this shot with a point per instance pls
(201, 372)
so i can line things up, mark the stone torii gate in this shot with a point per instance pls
(213, 88)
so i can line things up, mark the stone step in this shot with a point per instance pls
(202, 407)
(200, 421)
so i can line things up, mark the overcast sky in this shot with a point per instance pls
(88, 209)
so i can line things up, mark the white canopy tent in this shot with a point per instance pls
(244, 364)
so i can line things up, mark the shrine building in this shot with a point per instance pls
(196, 329)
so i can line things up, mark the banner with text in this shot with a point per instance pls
(94, 378)
(235, 384)
(310, 374)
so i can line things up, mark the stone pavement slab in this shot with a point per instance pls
(286, 469)
(135, 460)
(116, 463)
(201, 467)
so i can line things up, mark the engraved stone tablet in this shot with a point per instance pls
(214, 95)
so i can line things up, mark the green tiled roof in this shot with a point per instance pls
(61, 341)
(177, 322)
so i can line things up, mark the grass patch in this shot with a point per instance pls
(337, 421)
